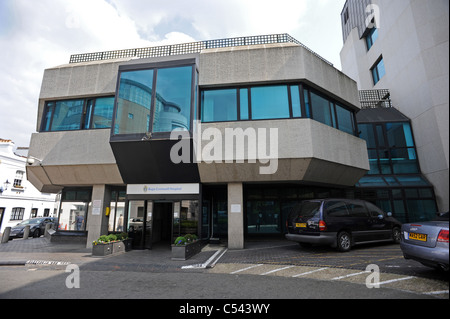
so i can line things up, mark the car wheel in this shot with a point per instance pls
(344, 241)
(37, 233)
(396, 235)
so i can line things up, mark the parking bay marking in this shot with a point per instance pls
(275, 270)
(309, 272)
(244, 269)
(350, 275)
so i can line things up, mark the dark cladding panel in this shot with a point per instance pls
(149, 162)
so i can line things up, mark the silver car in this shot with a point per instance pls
(427, 242)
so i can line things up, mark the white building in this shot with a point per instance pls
(402, 46)
(19, 199)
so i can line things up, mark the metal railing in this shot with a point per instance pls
(187, 48)
(370, 99)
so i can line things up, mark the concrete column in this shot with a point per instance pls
(97, 222)
(235, 216)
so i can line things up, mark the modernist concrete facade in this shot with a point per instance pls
(201, 197)
(412, 40)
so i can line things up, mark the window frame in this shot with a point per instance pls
(375, 71)
(306, 107)
(82, 127)
(155, 67)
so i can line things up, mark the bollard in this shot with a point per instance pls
(6, 233)
(26, 232)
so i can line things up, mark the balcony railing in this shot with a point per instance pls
(187, 48)
(370, 99)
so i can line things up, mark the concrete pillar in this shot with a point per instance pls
(235, 216)
(97, 222)
(5, 237)
(26, 232)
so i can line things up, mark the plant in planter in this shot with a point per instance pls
(110, 244)
(184, 247)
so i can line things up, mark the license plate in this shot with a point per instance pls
(300, 225)
(419, 237)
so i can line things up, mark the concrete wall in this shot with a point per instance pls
(414, 42)
(306, 150)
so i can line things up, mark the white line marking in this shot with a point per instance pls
(244, 269)
(310, 272)
(395, 280)
(275, 270)
(206, 264)
(350, 275)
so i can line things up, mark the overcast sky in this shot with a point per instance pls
(35, 35)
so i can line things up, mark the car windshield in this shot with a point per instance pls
(31, 221)
(306, 209)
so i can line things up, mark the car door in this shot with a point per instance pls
(380, 228)
(360, 221)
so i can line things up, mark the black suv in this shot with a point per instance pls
(340, 223)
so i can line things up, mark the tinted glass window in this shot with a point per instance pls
(134, 102)
(321, 109)
(367, 134)
(173, 99)
(99, 113)
(244, 104)
(306, 209)
(399, 135)
(67, 115)
(357, 210)
(336, 209)
(269, 102)
(345, 119)
(374, 211)
(221, 105)
(295, 98)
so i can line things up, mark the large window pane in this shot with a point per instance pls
(367, 135)
(99, 115)
(269, 102)
(345, 119)
(244, 104)
(72, 216)
(321, 109)
(220, 105)
(134, 102)
(399, 135)
(67, 115)
(173, 99)
(295, 98)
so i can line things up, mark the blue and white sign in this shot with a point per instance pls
(163, 189)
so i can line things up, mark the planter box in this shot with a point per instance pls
(111, 248)
(118, 247)
(187, 251)
(102, 249)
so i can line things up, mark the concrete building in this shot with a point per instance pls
(400, 48)
(218, 138)
(19, 199)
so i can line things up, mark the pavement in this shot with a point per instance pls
(260, 257)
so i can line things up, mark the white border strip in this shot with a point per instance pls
(275, 270)
(244, 269)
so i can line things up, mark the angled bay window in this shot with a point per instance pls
(77, 114)
(378, 71)
(156, 98)
(134, 102)
(173, 99)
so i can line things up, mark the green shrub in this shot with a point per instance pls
(180, 241)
